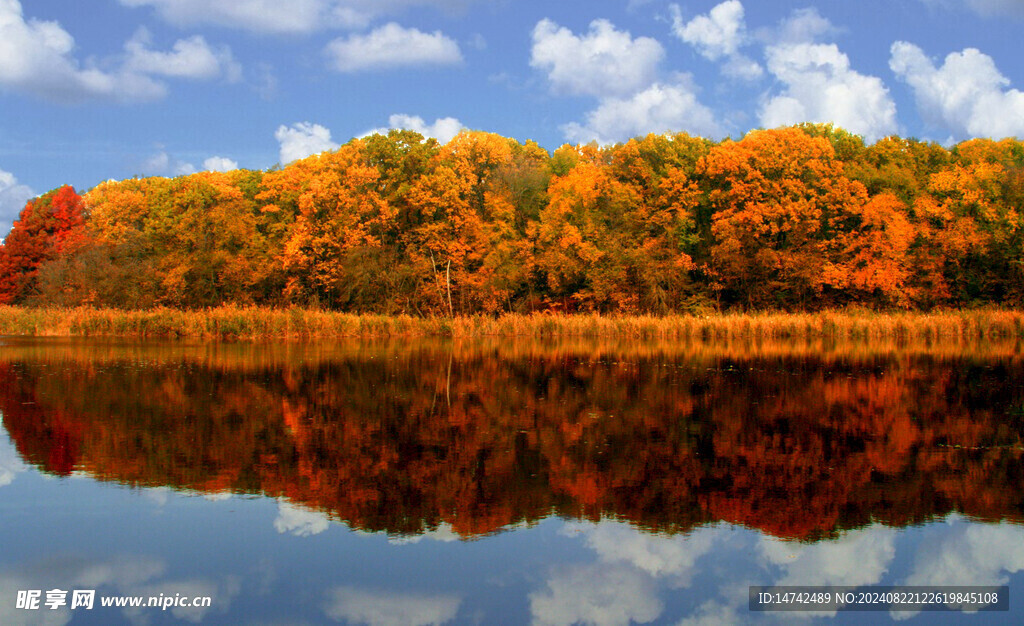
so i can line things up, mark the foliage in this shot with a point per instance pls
(799, 218)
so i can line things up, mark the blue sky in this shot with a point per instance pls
(115, 88)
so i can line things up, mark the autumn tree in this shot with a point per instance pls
(468, 247)
(47, 227)
(779, 197)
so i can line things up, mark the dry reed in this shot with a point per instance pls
(254, 323)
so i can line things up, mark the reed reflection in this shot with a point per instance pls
(798, 443)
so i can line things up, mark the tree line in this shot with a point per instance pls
(798, 218)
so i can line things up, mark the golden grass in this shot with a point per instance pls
(254, 323)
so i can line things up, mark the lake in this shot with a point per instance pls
(502, 481)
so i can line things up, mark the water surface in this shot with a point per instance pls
(554, 482)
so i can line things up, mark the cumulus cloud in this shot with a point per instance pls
(657, 109)
(300, 140)
(443, 129)
(392, 46)
(719, 36)
(804, 26)
(820, 85)
(967, 96)
(13, 197)
(361, 606)
(283, 16)
(220, 164)
(603, 62)
(299, 521)
(36, 57)
(188, 58)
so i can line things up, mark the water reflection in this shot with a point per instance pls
(545, 483)
(407, 440)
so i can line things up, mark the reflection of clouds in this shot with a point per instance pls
(596, 594)
(622, 586)
(10, 462)
(969, 554)
(714, 613)
(157, 495)
(299, 521)
(222, 594)
(857, 557)
(657, 555)
(443, 533)
(125, 576)
(379, 608)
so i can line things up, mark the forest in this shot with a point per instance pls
(802, 218)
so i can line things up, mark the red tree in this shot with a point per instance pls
(46, 227)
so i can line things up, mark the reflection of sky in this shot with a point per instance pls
(361, 606)
(276, 561)
(135, 576)
(636, 577)
(299, 521)
(10, 462)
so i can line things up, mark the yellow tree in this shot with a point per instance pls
(779, 198)
(873, 256)
(467, 248)
(338, 216)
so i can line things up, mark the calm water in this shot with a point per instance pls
(499, 483)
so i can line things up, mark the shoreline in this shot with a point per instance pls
(261, 323)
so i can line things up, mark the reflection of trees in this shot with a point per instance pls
(403, 440)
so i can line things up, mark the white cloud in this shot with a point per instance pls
(604, 62)
(36, 57)
(802, 26)
(986, 8)
(13, 197)
(161, 164)
(997, 7)
(443, 129)
(299, 521)
(360, 606)
(275, 16)
(392, 46)
(219, 164)
(719, 35)
(967, 96)
(659, 108)
(820, 86)
(188, 58)
(600, 594)
(284, 16)
(303, 139)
